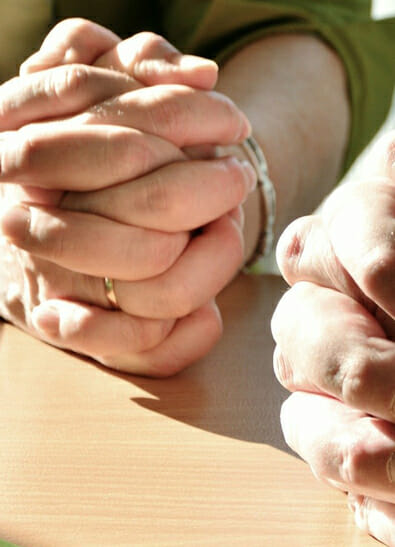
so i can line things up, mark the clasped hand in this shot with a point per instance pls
(97, 181)
(335, 335)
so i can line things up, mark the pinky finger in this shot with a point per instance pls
(191, 338)
(148, 347)
(375, 517)
(94, 331)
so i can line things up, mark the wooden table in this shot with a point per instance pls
(90, 457)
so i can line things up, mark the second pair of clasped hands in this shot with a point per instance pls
(107, 171)
(335, 334)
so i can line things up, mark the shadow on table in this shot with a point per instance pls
(233, 391)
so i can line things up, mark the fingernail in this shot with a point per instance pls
(192, 61)
(46, 319)
(251, 175)
(245, 130)
(15, 223)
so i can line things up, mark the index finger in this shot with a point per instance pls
(58, 92)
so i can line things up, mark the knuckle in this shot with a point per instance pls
(139, 147)
(355, 376)
(76, 76)
(54, 240)
(166, 249)
(230, 113)
(137, 333)
(378, 266)
(151, 43)
(210, 326)
(156, 196)
(291, 248)
(127, 145)
(71, 26)
(235, 180)
(168, 113)
(179, 298)
(25, 148)
(169, 201)
(352, 460)
(67, 81)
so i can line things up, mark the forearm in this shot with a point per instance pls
(293, 89)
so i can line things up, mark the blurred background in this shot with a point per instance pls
(383, 8)
(386, 8)
(380, 10)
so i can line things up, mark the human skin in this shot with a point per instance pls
(335, 334)
(284, 127)
(145, 345)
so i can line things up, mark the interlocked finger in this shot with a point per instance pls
(305, 253)
(90, 244)
(152, 60)
(60, 157)
(329, 343)
(343, 446)
(58, 92)
(206, 266)
(360, 221)
(146, 56)
(175, 113)
(375, 517)
(179, 196)
(95, 331)
(140, 346)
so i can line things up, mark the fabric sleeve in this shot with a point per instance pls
(218, 28)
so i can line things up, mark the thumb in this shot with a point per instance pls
(145, 56)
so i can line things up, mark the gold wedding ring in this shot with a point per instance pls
(110, 293)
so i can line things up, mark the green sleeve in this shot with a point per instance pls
(218, 28)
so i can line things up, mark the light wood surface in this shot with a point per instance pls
(90, 457)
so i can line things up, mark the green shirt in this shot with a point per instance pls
(217, 28)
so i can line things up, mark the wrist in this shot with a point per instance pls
(259, 210)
